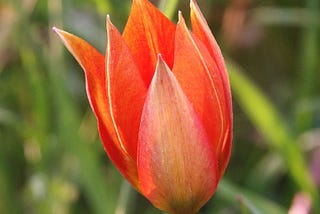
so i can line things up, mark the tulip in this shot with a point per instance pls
(162, 100)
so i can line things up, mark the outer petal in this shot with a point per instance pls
(176, 166)
(126, 92)
(202, 31)
(93, 64)
(147, 33)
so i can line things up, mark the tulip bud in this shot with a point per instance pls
(162, 100)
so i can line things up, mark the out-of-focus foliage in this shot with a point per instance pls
(51, 158)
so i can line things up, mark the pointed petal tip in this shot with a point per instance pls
(161, 65)
(57, 30)
(192, 3)
(54, 28)
(180, 17)
(162, 70)
(110, 28)
(194, 8)
(109, 25)
(63, 35)
(196, 12)
(108, 21)
(181, 20)
(160, 59)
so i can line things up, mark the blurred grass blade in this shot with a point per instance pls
(126, 199)
(308, 74)
(169, 7)
(267, 120)
(103, 6)
(68, 121)
(266, 172)
(284, 17)
(247, 206)
(8, 118)
(8, 198)
(258, 108)
(254, 202)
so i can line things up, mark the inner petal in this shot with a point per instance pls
(147, 33)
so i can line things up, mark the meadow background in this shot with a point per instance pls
(51, 158)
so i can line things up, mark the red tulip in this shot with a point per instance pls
(162, 99)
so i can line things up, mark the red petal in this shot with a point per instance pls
(202, 31)
(126, 92)
(147, 33)
(93, 64)
(200, 80)
(176, 166)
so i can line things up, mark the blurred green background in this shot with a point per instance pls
(51, 158)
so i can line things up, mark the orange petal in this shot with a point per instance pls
(93, 64)
(199, 78)
(202, 31)
(126, 91)
(147, 33)
(176, 166)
